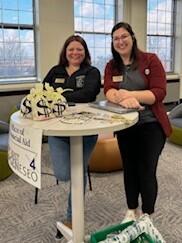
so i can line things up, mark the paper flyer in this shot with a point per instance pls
(24, 153)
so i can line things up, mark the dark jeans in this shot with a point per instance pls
(140, 147)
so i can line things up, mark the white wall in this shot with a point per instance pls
(135, 13)
(55, 22)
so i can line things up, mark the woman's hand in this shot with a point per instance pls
(113, 96)
(124, 94)
(123, 97)
(117, 96)
(131, 102)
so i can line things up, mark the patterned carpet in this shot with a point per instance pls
(21, 221)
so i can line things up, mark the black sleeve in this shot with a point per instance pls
(90, 89)
(50, 77)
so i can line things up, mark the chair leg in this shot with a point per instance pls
(89, 178)
(37, 190)
(57, 182)
(36, 195)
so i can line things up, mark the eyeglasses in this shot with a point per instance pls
(122, 38)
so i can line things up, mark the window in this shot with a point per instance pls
(160, 30)
(17, 49)
(94, 20)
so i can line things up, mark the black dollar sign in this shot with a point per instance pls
(26, 107)
(42, 104)
(58, 108)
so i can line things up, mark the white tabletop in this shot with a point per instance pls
(101, 121)
(78, 121)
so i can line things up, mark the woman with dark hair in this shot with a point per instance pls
(136, 79)
(63, 59)
(74, 71)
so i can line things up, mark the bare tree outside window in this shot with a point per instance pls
(17, 47)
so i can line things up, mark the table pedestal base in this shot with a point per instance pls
(76, 156)
(68, 233)
(65, 231)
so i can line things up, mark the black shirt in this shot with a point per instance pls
(85, 83)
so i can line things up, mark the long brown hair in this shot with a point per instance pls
(62, 58)
(117, 61)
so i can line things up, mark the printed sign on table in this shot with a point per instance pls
(24, 153)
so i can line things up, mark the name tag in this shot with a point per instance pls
(60, 80)
(117, 78)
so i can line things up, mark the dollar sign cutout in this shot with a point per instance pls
(58, 108)
(26, 107)
(44, 109)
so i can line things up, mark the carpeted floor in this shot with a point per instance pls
(21, 221)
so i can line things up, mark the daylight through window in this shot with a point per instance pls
(94, 20)
(160, 31)
(17, 49)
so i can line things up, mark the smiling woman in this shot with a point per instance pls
(75, 55)
(136, 79)
(75, 73)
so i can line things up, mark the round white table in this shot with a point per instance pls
(79, 121)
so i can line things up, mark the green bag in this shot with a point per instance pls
(102, 234)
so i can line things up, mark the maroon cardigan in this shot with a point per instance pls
(155, 77)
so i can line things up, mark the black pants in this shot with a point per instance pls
(140, 147)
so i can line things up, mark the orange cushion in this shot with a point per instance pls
(106, 155)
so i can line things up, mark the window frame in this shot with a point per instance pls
(20, 79)
(117, 4)
(172, 36)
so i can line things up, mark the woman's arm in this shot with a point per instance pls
(156, 80)
(143, 96)
(156, 86)
(90, 90)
